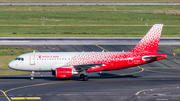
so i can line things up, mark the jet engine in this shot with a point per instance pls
(64, 72)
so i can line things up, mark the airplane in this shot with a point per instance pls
(67, 64)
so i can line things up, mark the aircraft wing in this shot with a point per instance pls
(81, 67)
(87, 66)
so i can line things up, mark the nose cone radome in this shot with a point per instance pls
(11, 65)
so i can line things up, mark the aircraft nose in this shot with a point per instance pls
(11, 65)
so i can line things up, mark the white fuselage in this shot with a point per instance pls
(41, 61)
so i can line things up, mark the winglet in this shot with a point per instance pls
(150, 41)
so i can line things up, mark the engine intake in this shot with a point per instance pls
(64, 72)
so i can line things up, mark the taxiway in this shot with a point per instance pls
(82, 41)
(150, 82)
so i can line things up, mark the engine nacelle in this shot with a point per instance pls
(64, 72)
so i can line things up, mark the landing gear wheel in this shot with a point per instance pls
(85, 78)
(81, 76)
(32, 78)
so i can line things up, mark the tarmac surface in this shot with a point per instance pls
(82, 40)
(157, 81)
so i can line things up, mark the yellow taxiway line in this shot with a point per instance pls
(161, 72)
(18, 98)
(101, 47)
(25, 98)
(5, 95)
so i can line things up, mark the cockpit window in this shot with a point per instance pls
(20, 59)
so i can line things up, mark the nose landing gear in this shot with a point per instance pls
(32, 75)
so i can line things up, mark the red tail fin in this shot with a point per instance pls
(150, 41)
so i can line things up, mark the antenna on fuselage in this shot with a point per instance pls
(34, 51)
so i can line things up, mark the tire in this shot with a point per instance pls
(85, 78)
(82, 76)
(32, 78)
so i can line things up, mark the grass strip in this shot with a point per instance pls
(86, 31)
(90, 1)
(87, 20)
(177, 49)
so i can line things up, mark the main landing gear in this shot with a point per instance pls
(32, 75)
(84, 77)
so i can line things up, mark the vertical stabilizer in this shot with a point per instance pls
(150, 41)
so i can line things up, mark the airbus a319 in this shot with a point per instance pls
(67, 64)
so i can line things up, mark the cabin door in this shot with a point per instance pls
(32, 59)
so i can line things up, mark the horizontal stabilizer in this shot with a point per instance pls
(147, 58)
